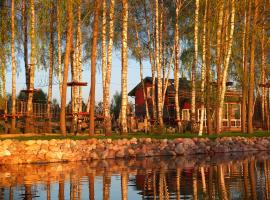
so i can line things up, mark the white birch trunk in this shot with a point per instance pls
(14, 68)
(226, 62)
(124, 68)
(203, 69)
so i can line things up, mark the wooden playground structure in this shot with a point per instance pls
(40, 118)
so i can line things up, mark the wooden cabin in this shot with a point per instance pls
(232, 105)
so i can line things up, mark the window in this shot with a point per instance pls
(225, 121)
(186, 114)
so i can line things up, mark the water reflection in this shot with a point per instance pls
(232, 176)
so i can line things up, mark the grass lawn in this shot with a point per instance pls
(138, 135)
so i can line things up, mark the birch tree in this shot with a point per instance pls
(176, 67)
(251, 68)
(32, 64)
(158, 67)
(14, 68)
(124, 68)
(203, 68)
(229, 40)
(106, 93)
(66, 64)
(194, 66)
(93, 68)
(51, 49)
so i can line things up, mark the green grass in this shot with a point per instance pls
(142, 135)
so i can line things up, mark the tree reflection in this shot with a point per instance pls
(154, 178)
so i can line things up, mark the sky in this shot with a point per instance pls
(41, 78)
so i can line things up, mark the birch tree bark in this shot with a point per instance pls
(141, 75)
(251, 68)
(104, 43)
(265, 120)
(194, 66)
(66, 64)
(209, 109)
(226, 65)
(51, 65)
(14, 68)
(93, 69)
(25, 42)
(218, 64)
(106, 103)
(158, 67)
(124, 68)
(245, 46)
(60, 71)
(203, 69)
(29, 126)
(176, 67)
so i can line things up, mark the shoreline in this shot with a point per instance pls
(66, 150)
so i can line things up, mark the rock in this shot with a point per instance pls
(179, 149)
(120, 154)
(5, 153)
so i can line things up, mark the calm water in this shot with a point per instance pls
(230, 176)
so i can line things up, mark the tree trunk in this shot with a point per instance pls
(79, 57)
(251, 69)
(226, 64)
(263, 78)
(245, 45)
(60, 78)
(124, 68)
(153, 68)
(66, 64)
(29, 123)
(176, 67)
(104, 43)
(208, 76)
(106, 104)
(158, 67)
(203, 69)
(14, 68)
(93, 69)
(25, 43)
(51, 66)
(141, 76)
(193, 70)
(218, 63)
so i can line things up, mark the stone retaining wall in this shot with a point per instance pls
(42, 151)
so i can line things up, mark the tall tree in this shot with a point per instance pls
(226, 62)
(51, 50)
(106, 93)
(32, 65)
(124, 101)
(245, 47)
(93, 68)
(251, 68)
(158, 67)
(14, 69)
(66, 64)
(203, 68)
(194, 66)
(176, 67)
(60, 78)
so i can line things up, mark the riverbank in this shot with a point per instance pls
(64, 150)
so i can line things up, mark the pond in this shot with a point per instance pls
(221, 176)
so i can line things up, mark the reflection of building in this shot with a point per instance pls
(232, 105)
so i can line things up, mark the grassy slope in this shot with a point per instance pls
(141, 135)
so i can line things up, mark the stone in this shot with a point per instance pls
(5, 153)
(179, 149)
